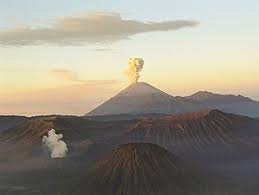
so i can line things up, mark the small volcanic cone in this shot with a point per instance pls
(143, 169)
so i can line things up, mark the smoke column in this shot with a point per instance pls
(54, 144)
(135, 65)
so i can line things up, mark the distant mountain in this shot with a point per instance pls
(145, 169)
(227, 103)
(143, 99)
(208, 96)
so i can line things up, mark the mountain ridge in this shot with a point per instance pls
(203, 95)
(142, 98)
(184, 132)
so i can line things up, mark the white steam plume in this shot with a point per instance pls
(56, 146)
(135, 65)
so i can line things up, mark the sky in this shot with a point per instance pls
(67, 57)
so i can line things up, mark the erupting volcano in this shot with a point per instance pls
(141, 98)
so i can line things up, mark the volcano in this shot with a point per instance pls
(142, 98)
(144, 169)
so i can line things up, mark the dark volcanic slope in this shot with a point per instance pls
(145, 169)
(7, 122)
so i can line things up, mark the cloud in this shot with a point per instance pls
(71, 76)
(64, 74)
(92, 28)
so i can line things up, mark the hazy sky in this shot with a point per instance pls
(68, 56)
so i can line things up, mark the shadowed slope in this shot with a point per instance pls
(7, 122)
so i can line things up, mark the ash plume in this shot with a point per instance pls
(54, 144)
(135, 65)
